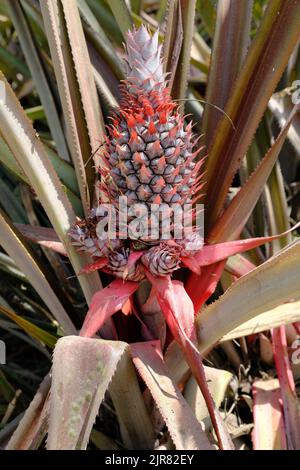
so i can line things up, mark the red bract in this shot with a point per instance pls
(175, 303)
(105, 303)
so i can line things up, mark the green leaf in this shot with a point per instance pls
(122, 15)
(185, 430)
(30, 328)
(6, 389)
(77, 89)
(11, 203)
(206, 10)
(261, 71)
(98, 38)
(234, 218)
(182, 72)
(106, 19)
(35, 113)
(16, 247)
(136, 6)
(102, 442)
(230, 43)
(38, 74)
(35, 20)
(13, 63)
(163, 6)
(32, 158)
(172, 40)
(64, 169)
(105, 91)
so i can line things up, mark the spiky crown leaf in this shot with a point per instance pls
(144, 65)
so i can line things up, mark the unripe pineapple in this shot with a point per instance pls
(149, 153)
(148, 157)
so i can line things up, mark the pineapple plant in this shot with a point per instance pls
(149, 157)
(141, 303)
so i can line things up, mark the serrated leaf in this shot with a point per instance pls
(82, 371)
(185, 430)
(84, 74)
(70, 85)
(38, 73)
(32, 427)
(284, 314)
(32, 158)
(281, 106)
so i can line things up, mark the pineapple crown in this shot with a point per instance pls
(144, 63)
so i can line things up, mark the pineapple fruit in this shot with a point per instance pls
(149, 158)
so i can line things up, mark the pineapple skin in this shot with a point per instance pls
(148, 154)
